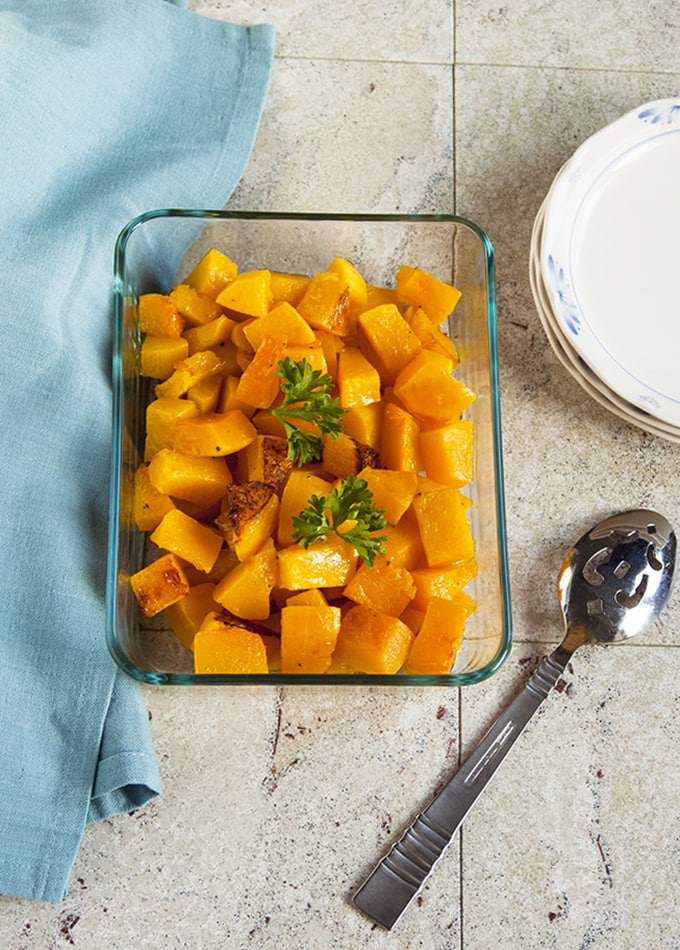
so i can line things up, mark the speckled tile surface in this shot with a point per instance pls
(276, 803)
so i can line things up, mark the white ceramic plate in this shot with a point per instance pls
(609, 256)
(573, 363)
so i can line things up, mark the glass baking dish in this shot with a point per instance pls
(154, 251)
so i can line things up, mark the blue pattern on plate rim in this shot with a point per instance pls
(667, 114)
(569, 308)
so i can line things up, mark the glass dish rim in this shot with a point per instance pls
(157, 678)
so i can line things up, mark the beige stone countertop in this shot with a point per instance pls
(277, 801)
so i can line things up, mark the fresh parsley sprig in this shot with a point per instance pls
(351, 501)
(306, 398)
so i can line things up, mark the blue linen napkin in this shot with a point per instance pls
(107, 109)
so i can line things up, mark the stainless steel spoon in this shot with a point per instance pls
(613, 583)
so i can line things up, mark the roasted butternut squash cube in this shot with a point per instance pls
(260, 383)
(354, 280)
(209, 335)
(246, 590)
(364, 423)
(444, 528)
(282, 322)
(372, 642)
(314, 597)
(288, 287)
(399, 445)
(420, 288)
(160, 354)
(387, 341)
(249, 514)
(265, 459)
(314, 353)
(187, 615)
(428, 390)
(308, 637)
(330, 563)
(403, 546)
(162, 416)
(212, 273)
(189, 372)
(249, 293)
(343, 455)
(443, 582)
(149, 504)
(325, 303)
(214, 433)
(447, 452)
(430, 335)
(196, 308)
(299, 488)
(206, 394)
(385, 586)
(159, 584)
(393, 491)
(358, 379)
(223, 647)
(159, 316)
(192, 478)
(190, 540)
(438, 640)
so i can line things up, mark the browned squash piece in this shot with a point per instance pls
(159, 584)
(249, 514)
(265, 459)
(345, 456)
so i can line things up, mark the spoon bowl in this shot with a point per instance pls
(613, 584)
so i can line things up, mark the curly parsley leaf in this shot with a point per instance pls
(349, 511)
(306, 398)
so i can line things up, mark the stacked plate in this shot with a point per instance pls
(605, 267)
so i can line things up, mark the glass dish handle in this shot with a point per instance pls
(399, 876)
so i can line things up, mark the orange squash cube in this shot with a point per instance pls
(308, 637)
(160, 354)
(430, 335)
(428, 390)
(358, 380)
(385, 586)
(330, 563)
(214, 433)
(282, 322)
(325, 304)
(399, 446)
(372, 642)
(307, 598)
(314, 353)
(443, 582)
(223, 647)
(392, 491)
(209, 335)
(447, 452)
(343, 455)
(196, 308)
(246, 589)
(193, 478)
(444, 528)
(189, 372)
(417, 287)
(212, 273)
(403, 546)
(206, 394)
(188, 539)
(159, 316)
(249, 513)
(437, 642)
(159, 584)
(288, 287)
(387, 341)
(265, 459)
(354, 281)
(162, 416)
(187, 615)
(299, 488)
(149, 504)
(260, 383)
(364, 423)
(249, 294)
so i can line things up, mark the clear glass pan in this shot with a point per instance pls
(155, 250)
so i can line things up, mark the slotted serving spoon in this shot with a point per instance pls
(613, 583)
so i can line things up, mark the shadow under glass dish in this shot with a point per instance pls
(154, 252)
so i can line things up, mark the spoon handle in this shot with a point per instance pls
(397, 879)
